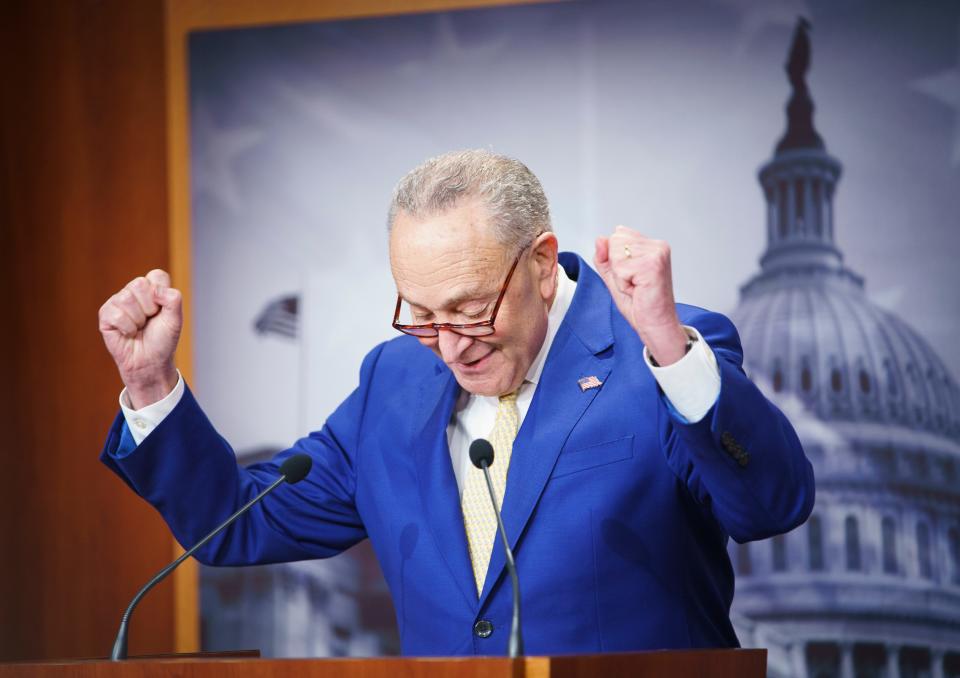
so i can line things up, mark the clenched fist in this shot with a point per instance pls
(141, 325)
(637, 272)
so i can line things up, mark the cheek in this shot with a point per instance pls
(432, 343)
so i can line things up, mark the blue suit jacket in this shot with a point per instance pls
(617, 510)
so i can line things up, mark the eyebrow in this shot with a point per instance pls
(452, 302)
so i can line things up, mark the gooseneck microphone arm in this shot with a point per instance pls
(481, 454)
(293, 470)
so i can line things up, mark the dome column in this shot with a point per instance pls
(798, 659)
(936, 662)
(893, 661)
(846, 661)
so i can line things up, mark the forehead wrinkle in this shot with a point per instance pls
(442, 260)
(462, 287)
(471, 280)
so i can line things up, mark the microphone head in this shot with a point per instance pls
(296, 467)
(481, 453)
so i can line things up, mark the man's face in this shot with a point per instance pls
(450, 268)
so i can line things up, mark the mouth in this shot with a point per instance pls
(475, 366)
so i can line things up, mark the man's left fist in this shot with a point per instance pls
(637, 271)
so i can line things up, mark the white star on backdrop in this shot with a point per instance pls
(214, 155)
(450, 50)
(945, 88)
(336, 111)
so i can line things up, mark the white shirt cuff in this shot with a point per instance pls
(692, 384)
(142, 422)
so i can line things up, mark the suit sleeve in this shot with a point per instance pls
(189, 473)
(743, 460)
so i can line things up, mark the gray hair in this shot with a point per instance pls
(510, 192)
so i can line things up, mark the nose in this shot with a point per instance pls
(452, 345)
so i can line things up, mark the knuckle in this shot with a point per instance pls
(159, 276)
(139, 283)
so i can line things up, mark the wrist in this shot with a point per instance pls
(668, 345)
(146, 390)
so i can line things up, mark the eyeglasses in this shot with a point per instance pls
(477, 329)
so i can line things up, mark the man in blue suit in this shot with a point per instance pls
(629, 442)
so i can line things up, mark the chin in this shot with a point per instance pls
(492, 385)
(493, 379)
(480, 387)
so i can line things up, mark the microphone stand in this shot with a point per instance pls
(515, 647)
(119, 651)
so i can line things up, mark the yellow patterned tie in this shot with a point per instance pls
(478, 516)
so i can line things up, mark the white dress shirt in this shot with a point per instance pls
(691, 384)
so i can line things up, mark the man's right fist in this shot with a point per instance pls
(141, 325)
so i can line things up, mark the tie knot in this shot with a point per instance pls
(509, 398)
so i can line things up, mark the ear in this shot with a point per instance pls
(543, 258)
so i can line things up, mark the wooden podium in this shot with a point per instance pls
(664, 664)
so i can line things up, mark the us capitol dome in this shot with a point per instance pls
(870, 585)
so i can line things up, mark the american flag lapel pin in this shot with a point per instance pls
(586, 383)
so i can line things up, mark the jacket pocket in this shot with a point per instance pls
(600, 454)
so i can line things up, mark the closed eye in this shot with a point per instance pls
(475, 313)
(423, 317)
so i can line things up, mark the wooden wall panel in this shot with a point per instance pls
(83, 203)
(93, 190)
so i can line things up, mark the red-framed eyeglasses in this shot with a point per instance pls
(477, 329)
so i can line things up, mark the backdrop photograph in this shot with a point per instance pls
(801, 158)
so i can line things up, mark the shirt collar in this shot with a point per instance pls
(561, 302)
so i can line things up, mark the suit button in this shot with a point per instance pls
(743, 459)
(483, 629)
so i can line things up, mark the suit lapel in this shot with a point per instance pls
(438, 485)
(557, 406)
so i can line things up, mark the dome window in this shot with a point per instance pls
(777, 376)
(953, 539)
(836, 380)
(744, 564)
(919, 465)
(784, 205)
(864, 381)
(889, 533)
(851, 536)
(806, 375)
(949, 470)
(923, 551)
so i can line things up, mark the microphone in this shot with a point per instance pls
(294, 469)
(481, 454)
